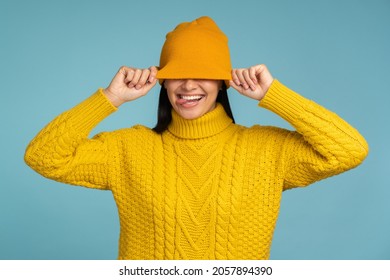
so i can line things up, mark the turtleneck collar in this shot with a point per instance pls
(207, 125)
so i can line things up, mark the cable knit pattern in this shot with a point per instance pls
(205, 188)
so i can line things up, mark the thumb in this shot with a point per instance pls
(150, 84)
(153, 73)
(152, 80)
(238, 88)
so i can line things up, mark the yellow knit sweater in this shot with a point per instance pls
(205, 188)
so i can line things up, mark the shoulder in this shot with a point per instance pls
(265, 133)
(137, 133)
(263, 130)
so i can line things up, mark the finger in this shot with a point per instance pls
(264, 77)
(129, 75)
(153, 72)
(123, 71)
(242, 79)
(119, 77)
(125, 74)
(261, 68)
(235, 86)
(248, 79)
(143, 78)
(253, 74)
(134, 81)
(150, 85)
(235, 77)
(263, 72)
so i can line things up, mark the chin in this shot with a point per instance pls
(190, 115)
(194, 112)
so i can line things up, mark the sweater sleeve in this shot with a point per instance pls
(63, 152)
(323, 144)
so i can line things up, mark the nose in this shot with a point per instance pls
(189, 84)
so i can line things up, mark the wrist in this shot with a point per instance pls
(114, 99)
(266, 89)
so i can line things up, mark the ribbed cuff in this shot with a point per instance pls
(283, 101)
(91, 111)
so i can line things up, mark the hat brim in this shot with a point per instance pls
(170, 71)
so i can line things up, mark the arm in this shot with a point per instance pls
(322, 145)
(62, 150)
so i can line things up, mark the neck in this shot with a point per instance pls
(207, 125)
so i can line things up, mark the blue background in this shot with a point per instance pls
(54, 54)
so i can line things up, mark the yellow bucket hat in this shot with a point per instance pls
(195, 50)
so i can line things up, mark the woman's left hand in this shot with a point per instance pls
(253, 82)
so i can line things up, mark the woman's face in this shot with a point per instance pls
(192, 98)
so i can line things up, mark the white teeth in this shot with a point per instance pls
(191, 97)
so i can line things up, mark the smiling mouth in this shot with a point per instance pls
(189, 101)
(191, 97)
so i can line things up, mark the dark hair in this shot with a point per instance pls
(164, 116)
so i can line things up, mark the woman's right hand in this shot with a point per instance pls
(130, 84)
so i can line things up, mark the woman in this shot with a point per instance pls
(197, 186)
